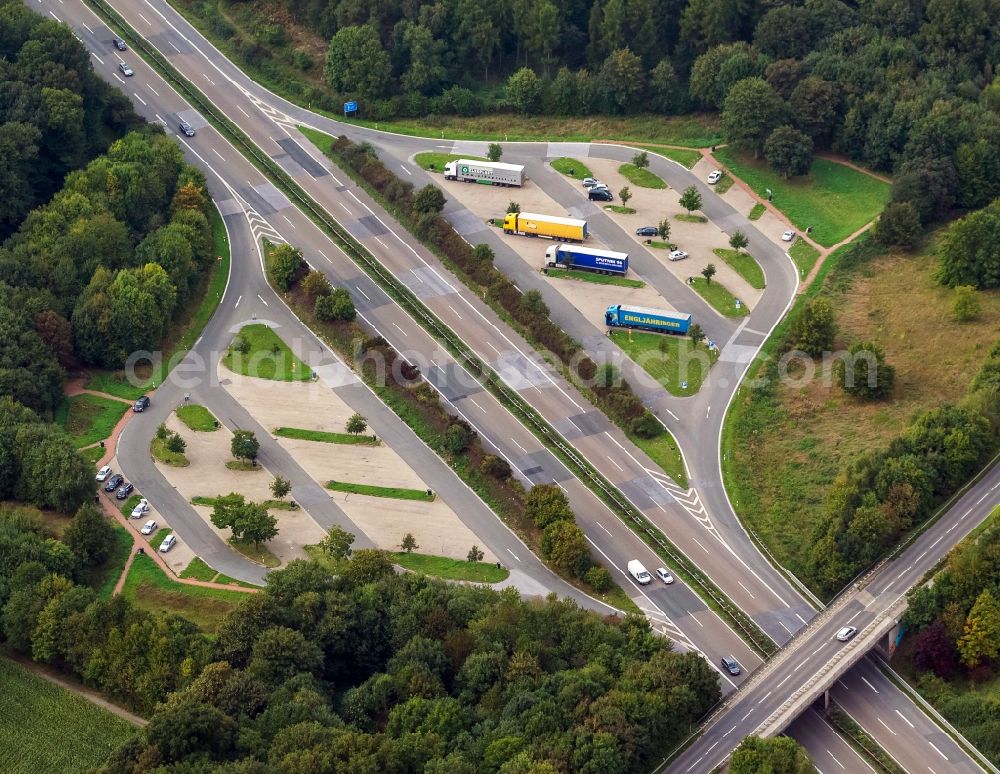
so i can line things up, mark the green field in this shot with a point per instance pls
(719, 297)
(269, 357)
(197, 418)
(149, 587)
(665, 452)
(756, 211)
(669, 359)
(686, 158)
(47, 729)
(88, 419)
(744, 264)
(640, 176)
(434, 162)
(804, 256)
(323, 436)
(573, 168)
(450, 569)
(92, 454)
(198, 570)
(392, 492)
(834, 199)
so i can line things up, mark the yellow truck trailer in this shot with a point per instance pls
(549, 226)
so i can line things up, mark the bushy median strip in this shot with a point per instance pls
(392, 492)
(685, 569)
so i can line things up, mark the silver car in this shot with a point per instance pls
(148, 528)
(846, 633)
(126, 70)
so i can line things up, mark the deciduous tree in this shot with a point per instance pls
(788, 151)
(690, 199)
(751, 111)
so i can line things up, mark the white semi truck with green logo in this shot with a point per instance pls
(485, 172)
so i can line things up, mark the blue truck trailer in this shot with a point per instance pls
(586, 258)
(625, 316)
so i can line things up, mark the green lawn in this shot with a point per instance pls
(804, 256)
(88, 419)
(269, 357)
(756, 211)
(719, 297)
(46, 728)
(661, 245)
(686, 158)
(158, 448)
(394, 492)
(619, 209)
(435, 162)
(640, 176)
(323, 436)
(244, 466)
(127, 506)
(256, 552)
(150, 588)
(158, 537)
(573, 168)
(198, 570)
(226, 580)
(103, 579)
(744, 264)
(450, 569)
(277, 505)
(665, 452)
(197, 418)
(669, 359)
(724, 184)
(600, 279)
(92, 454)
(834, 199)
(687, 217)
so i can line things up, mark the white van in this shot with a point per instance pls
(168, 542)
(637, 571)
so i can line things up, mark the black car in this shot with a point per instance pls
(186, 129)
(114, 482)
(600, 195)
(141, 405)
(120, 44)
(646, 231)
(730, 665)
(124, 491)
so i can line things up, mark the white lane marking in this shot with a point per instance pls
(405, 170)
(746, 716)
(747, 590)
(477, 405)
(243, 111)
(699, 760)
(782, 624)
(494, 348)
(153, 90)
(853, 616)
(937, 750)
(729, 732)
(400, 329)
(358, 288)
(700, 545)
(145, 19)
(177, 50)
(288, 221)
(603, 527)
(513, 554)
(843, 685)
(217, 154)
(237, 302)
(262, 299)
(889, 729)
(208, 79)
(765, 697)
(382, 243)
(456, 313)
(97, 57)
(804, 621)
(673, 415)
(513, 441)
(782, 682)
(708, 411)
(612, 461)
(87, 28)
(836, 761)
(346, 208)
(905, 719)
(136, 95)
(55, 17)
(802, 663)
(119, 78)
(817, 651)
(323, 254)
(870, 685)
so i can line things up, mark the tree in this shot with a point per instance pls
(356, 61)
(523, 90)
(898, 226)
(337, 306)
(545, 504)
(533, 303)
(430, 198)
(738, 241)
(965, 304)
(249, 522)
(789, 151)
(968, 254)
(457, 437)
(89, 535)
(475, 555)
(337, 543)
(244, 445)
(708, 272)
(813, 329)
(316, 284)
(513, 207)
(280, 487)
(930, 184)
(625, 194)
(622, 81)
(664, 88)
(640, 160)
(483, 252)
(564, 544)
(751, 111)
(663, 229)
(284, 263)
(176, 444)
(497, 467)
(690, 199)
(409, 542)
(696, 333)
(599, 579)
(779, 755)
(356, 424)
(978, 168)
(934, 650)
(981, 638)
(494, 152)
(815, 106)
(864, 372)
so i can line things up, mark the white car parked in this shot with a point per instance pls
(714, 176)
(788, 236)
(168, 542)
(678, 255)
(148, 528)
(141, 508)
(103, 473)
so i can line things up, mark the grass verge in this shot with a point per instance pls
(127, 506)
(434, 162)
(88, 419)
(641, 176)
(197, 418)
(687, 217)
(324, 436)
(724, 184)
(671, 360)
(256, 552)
(599, 279)
(92, 454)
(684, 157)
(269, 356)
(198, 570)
(719, 297)
(158, 537)
(244, 466)
(48, 728)
(744, 264)
(158, 448)
(804, 256)
(756, 211)
(573, 168)
(271, 505)
(836, 200)
(450, 569)
(619, 209)
(665, 452)
(150, 588)
(393, 492)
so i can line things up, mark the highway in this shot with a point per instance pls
(701, 512)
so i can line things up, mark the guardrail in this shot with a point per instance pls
(739, 621)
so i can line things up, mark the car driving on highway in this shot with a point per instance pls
(846, 633)
(731, 665)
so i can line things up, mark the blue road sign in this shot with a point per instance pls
(350, 107)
